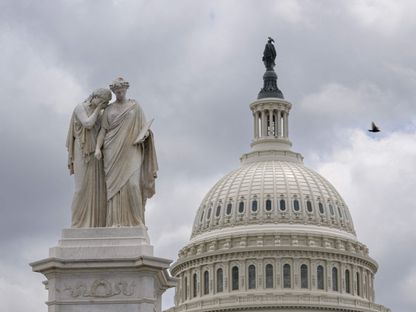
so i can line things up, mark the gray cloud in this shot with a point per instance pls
(195, 66)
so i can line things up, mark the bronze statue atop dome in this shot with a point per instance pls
(270, 88)
(269, 54)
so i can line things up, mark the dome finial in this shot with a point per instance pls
(270, 88)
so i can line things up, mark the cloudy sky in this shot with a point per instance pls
(195, 66)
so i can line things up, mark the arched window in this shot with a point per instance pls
(185, 287)
(209, 213)
(287, 282)
(220, 280)
(251, 277)
(241, 207)
(229, 207)
(331, 209)
(321, 208)
(218, 211)
(202, 216)
(309, 206)
(254, 205)
(282, 205)
(347, 281)
(334, 279)
(206, 283)
(320, 276)
(304, 276)
(358, 284)
(234, 278)
(296, 206)
(194, 285)
(269, 276)
(339, 211)
(268, 205)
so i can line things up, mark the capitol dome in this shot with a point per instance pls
(274, 235)
(273, 192)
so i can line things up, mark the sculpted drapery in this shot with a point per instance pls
(89, 200)
(130, 166)
(112, 156)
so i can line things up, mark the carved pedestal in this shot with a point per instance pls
(106, 270)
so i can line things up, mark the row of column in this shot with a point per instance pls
(271, 123)
(194, 283)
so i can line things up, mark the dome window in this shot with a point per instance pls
(206, 283)
(309, 206)
(186, 288)
(331, 210)
(241, 207)
(194, 285)
(269, 276)
(268, 205)
(320, 276)
(282, 205)
(304, 276)
(254, 205)
(209, 213)
(296, 206)
(229, 207)
(287, 281)
(220, 280)
(334, 279)
(202, 216)
(252, 277)
(347, 281)
(321, 208)
(339, 211)
(358, 284)
(218, 211)
(234, 278)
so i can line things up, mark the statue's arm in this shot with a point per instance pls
(100, 141)
(87, 121)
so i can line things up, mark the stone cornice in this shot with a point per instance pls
(287, 301)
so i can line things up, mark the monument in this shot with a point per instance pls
(105, 261)
(274, 235)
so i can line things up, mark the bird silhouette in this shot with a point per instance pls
(374, 128)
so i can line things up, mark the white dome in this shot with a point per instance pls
(274, 235)
(278, 192)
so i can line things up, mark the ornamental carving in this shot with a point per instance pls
(101, 289)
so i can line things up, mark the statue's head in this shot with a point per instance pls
(270, 40)
(119, 88)
(102, 95)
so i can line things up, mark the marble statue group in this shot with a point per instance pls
(112, 156)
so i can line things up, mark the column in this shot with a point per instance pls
(256, 125)
(263, 124)
(271, 125)
(285, 125)
(279, 124)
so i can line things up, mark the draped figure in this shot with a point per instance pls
(89, 199)
(130, 163)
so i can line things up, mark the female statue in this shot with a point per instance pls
(89, 201)
(129, 155)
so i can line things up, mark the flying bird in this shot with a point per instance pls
(374, 128)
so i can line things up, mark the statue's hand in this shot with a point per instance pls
(98, 154)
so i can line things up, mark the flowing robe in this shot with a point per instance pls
(89, 200)
(130, 168)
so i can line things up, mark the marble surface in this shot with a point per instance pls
(104, 269)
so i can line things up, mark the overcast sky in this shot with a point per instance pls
(195, 66)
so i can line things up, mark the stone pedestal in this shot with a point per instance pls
(106, 270)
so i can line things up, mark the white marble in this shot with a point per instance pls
(104, 269)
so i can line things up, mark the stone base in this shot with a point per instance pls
(106, 270)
